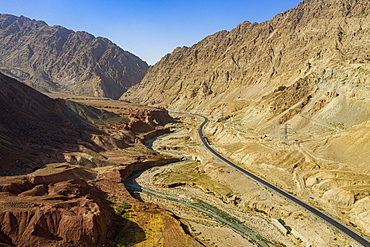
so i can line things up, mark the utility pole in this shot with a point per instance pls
(285, 133)
(222, 114)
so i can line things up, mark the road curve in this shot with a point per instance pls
(340, 226)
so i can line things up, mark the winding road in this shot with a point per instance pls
(340, 226)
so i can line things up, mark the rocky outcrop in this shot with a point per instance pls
(293, 98)
(62, 210)
(152, 116)
(144, 120)
(140, 118)
(66, 205)
(53, 58)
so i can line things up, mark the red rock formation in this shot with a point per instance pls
(52, 213)
(144, 120)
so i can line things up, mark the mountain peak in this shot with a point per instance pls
(254, 59)
(53, 58)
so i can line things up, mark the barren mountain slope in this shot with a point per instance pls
(33, 129)
(254, 59)
(36, 130)
(53, 58)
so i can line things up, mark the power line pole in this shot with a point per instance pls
(222, 114)
(221, 119)
(285, 133)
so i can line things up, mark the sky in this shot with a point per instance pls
(148, 28)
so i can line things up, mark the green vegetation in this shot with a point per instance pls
(118, 209)
(121, 209)
(289, 229)
(128, 215)
(260, 211)
(112, 198)
(126, 205)
(141, 159)
(70, 243)
(338, 125)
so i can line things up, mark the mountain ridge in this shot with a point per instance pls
(258, 57)
(54, 58)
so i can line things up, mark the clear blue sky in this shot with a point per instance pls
(148, 28)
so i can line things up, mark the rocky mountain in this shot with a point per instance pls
(53, 58)
(316, 39)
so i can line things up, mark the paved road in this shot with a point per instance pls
(340, 226)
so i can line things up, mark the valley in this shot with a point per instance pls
(207, 179)
(188, 193)
(97, 148)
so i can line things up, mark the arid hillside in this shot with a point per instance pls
(53, 58)
(326, 41)
(287, 99)
(306, 70)
(36, 130)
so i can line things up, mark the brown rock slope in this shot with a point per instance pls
(53, 58)
(67, 205)
(36, 130)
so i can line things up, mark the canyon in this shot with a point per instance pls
(286, 99)
(207, 181)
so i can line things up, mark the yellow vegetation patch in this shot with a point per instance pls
(148, 227)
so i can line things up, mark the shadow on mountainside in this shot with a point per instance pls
(36, 130)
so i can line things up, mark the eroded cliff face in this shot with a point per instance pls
(53, 58)
(61, 211)
(65, 204)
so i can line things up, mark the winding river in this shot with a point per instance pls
(197, 204)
